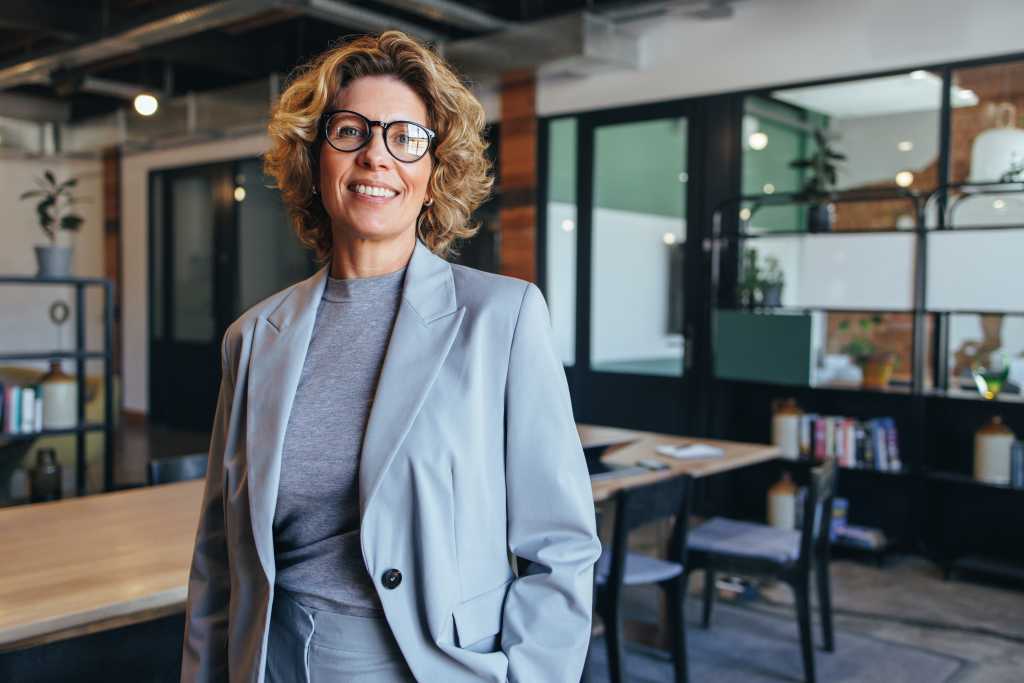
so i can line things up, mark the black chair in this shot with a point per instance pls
(177, 468)
(747, 548)
(617, 567)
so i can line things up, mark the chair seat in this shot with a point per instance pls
(640, 569)
(721, 536)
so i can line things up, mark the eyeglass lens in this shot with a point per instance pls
(405, 141)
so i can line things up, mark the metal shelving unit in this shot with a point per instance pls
(79, 355)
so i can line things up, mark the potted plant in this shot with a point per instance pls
(772, 281)
(748, 287)
(876, 367)
(821, 181)
(54, 212)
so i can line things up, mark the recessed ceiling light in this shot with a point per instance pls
(146, 104)
(568, 225)
(744, 214)
(904, 178)
(668, 238)
(684, 176)
(918, 74)
(757, 140)
(905, 145)
(965, 96)
(239, 194)
(999, 204)
(768, 188)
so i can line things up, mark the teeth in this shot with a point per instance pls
(374, 191)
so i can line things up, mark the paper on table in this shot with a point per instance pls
(688, 451)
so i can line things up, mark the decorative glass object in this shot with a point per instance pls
(990, 374)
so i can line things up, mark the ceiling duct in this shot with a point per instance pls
(196, 20)
(576, 44)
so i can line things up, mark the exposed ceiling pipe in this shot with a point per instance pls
(176, 25)
(187, 22)
(351, 16)
(447, 12)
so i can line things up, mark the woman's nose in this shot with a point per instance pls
(375, 154)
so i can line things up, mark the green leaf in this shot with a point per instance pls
(71, 222)
(31, 193)
(50, 177)
(70, 182)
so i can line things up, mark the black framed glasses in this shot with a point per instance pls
(348, 131)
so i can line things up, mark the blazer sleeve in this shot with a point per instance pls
(547, 614)
(204, 654)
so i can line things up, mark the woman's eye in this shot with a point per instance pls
(348, 131)
(402, 138)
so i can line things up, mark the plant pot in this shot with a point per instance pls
(820, 217)
(53, 261)
(771, 296)
(877, 372)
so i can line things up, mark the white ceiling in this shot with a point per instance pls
(876, 96)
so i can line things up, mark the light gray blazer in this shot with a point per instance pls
(470, 454)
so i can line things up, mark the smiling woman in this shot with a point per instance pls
(394, 434)
(379, 80)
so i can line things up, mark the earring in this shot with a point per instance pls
(428, 203)
(315, 190)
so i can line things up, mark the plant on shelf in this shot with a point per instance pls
(822, 166)
(759, 286)
(876, 366)
(747, 287)
(54, 211)
(772, 281)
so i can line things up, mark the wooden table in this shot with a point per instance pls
(627, 447)
(88, 564)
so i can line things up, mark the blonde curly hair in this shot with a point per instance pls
(460, 180)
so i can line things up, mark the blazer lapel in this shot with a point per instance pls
(275, 365)
(425, 327)
(423, 333)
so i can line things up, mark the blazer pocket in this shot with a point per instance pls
(479, 617)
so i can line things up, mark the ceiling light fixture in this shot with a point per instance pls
(904, 178)
(905, 145)
(146, 104)
(757, 140)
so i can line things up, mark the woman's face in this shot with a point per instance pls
(378, 98)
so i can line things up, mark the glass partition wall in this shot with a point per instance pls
(615, 216)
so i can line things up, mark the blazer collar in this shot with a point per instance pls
(428, 287)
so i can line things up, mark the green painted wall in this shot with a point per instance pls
(637, 165)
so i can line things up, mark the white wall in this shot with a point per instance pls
(134, 225)
(24, 309)
(775, 42)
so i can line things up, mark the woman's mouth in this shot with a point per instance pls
(372, 193)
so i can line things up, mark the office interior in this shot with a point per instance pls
(787, 225)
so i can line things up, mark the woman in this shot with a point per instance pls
(394, 431)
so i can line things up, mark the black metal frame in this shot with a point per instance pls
(80, 355)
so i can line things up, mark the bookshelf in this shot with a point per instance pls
(932, 505)
(80, 354)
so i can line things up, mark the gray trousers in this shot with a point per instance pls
(307, 645)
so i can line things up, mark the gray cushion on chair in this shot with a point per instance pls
(640, 569)
(746, 539)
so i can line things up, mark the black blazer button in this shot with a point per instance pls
(391, 578)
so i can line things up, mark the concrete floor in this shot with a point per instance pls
(905, 601)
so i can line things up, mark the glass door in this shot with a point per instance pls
(220, 242)
(634, 250)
